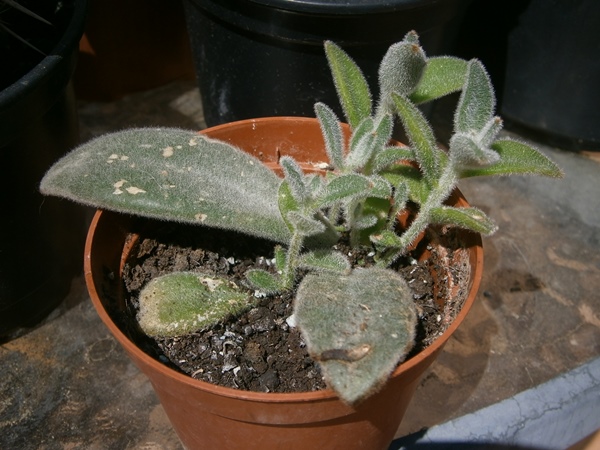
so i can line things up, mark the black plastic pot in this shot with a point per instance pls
(41, 239)
(552, 82)
(257, 58)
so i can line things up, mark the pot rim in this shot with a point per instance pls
(275, 397)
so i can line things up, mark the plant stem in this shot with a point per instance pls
(437, 196)
(291, 261)
(330, 230)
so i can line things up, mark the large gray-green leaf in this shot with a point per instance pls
(172, 174)
(357, 326)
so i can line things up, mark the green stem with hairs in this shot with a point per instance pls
(291, 262)
(442, 191)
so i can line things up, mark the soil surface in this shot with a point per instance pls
(257, 351)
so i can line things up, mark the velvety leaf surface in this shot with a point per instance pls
(357, 326)
(172, 174)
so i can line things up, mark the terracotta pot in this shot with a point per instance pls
(207, 416)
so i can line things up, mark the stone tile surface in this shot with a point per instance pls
(68, 385)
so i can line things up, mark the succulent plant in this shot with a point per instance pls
(358, 323)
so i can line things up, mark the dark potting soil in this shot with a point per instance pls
(259, 350)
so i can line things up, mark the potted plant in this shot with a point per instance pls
(345, 190)
(38, 124)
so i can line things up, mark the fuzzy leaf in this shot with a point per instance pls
(295, 178)
(304, 225)
(466, 151)
(183, 302)
(411, 37)
(280, 257)
(391, 155)
(325, 260)
(344, 187)
(263, 281)
(520, 158)
(443, 75)
(357, 326)
(399, 202)
(383, 134)
(400, 70)
(387, 239)
(368, 140)
(351, 85)
(470, 218)
(477, 101)
(380, 187)
(360, 143)
(287, 202)
(421, 137)
(172, 174)
(373, 217)
(487, 135)
(418, 189)
(332, 134)
(315, 183)
(364, 221)
(516, 158)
